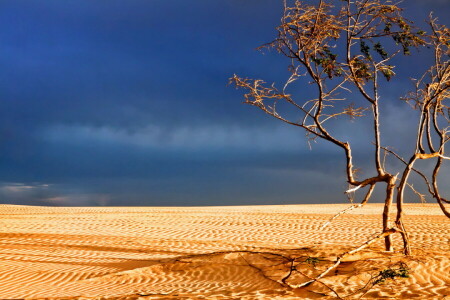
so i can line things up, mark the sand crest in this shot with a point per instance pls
(240, 252)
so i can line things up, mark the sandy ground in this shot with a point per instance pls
(214, 253)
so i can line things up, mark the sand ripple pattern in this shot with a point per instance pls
(205, 252)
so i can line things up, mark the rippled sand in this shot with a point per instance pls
(236, 252)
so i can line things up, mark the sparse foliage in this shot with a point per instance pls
(393, 272)
(313, 261)
(347, 49)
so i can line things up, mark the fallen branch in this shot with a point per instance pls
(341, 213)
(366, 198)
(345, 254)
(322, 283)
(291, 268)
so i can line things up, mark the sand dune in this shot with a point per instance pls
(213, 253)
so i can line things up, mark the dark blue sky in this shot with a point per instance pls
(127, 103)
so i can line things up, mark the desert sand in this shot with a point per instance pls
(240, 252)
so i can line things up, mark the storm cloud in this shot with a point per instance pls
(128, 103)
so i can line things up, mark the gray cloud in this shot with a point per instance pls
(127, 103)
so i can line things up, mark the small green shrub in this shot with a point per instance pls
(392, 272)
(312, 261)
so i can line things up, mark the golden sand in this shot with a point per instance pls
(235, 252)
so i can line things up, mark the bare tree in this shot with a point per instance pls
(345, 49)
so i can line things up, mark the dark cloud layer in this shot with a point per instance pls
(127, 103)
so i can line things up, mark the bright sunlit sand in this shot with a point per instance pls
(213, 252)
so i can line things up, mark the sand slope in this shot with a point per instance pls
(212, 252)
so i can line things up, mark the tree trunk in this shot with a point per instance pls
(400, 195)
(406, 246)
(387, 208)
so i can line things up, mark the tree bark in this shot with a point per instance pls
(387, 208)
